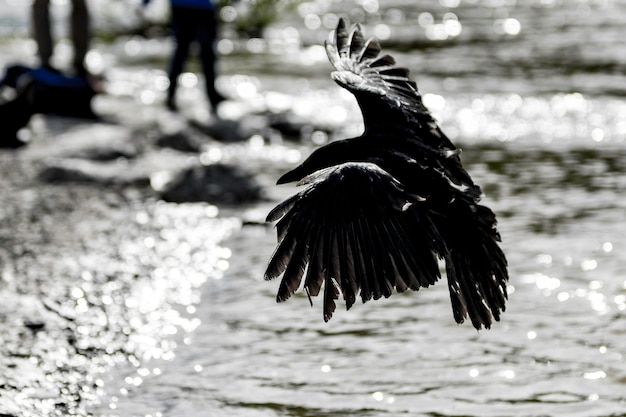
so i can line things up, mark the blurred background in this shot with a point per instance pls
(133, 246)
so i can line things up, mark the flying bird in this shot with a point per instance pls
(380, 210)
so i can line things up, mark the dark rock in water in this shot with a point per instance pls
(295, 128)
(215, 184)
(180, 141)
(289, 125)
(106, 153)
(65, 138)
(34, 325)
(98, 173)
(62, 171)
(230, 131)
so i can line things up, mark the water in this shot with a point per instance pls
(533, 93)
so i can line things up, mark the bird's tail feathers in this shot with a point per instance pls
(476, 267)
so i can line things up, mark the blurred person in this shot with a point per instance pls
(79, 33)
(193, 21)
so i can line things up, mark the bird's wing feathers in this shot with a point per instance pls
(388, 99)
(359, 229)
(360, 69)
(353, 231)
(476, 267)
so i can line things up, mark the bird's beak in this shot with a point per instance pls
(291, 176)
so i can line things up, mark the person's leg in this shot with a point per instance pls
(80, 35)
(207, 36)
(184, 29)
(42, 31)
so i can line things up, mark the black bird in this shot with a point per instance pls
(382, 208)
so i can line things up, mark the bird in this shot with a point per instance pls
(382, 212)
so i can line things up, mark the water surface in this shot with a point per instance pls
(533, 93)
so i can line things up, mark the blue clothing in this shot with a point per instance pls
(42, 76)
(49, 91)
(191, 4)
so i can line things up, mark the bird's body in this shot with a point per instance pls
(380, 209)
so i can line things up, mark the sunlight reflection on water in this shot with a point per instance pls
(540, 117)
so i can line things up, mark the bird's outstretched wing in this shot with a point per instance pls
(384, 91)
(353, 229)
(389, 100)
(380, 209)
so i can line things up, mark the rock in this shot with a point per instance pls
(293, 127)
(34, 325)
(83, 171)
(230, 131)
(67, 138)
(289, 125)
(181, 141)
(215, 183)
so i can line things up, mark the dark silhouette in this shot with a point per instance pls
(380, 209)
(79, 31)
(15, 114)
(193, 21)
(41, 90)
